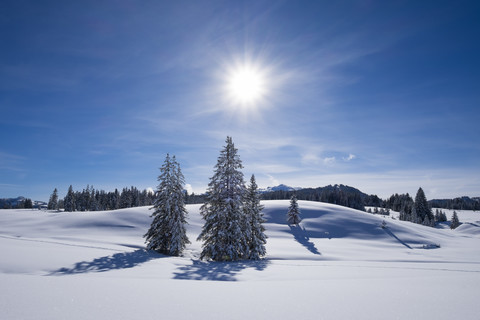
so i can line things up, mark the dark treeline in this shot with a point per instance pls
(194, 198)
(462, 203)
(416, 211)
(338, 194)
(399, 203)
(404, 202)
(90, 199)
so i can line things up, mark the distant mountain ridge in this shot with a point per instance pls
(300, 190)
(336, 194)
(8, 203)
(280, 187)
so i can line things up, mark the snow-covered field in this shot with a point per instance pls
(339, 264)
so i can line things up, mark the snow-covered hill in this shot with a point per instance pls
(338, 264)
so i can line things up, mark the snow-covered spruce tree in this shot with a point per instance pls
(422, 208)
(253, 211)
(224, 232)
(53, 201)
(455, 221)
(167, 233)
(69, 200)
(293, 214)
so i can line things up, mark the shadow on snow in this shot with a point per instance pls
(301, 236)
(396, 238)
(117, 261)
(326, 223)
(217, 271)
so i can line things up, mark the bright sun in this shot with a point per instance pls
(246, 85)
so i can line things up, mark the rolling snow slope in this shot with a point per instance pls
(338, 264)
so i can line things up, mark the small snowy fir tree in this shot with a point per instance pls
(443, 216)
(167, 233)
(426, 221)
(253, 211)
(224, 233)
(53, 201)
(414, 216)
(455, 222)
(293, 214)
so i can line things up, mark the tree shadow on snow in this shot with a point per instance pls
(389, 232)
(217, 271)
(301, 236)
(122, 260)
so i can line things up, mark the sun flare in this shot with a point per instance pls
(246, 85)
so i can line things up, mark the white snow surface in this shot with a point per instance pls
(338, 264)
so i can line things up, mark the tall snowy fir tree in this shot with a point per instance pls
(69, 200)
(53, 201)
(167, 233)
(253, 211)
(224, 236)
(293, 214)
(422, 209)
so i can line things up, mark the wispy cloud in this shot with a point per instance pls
(11, 162)
(35, 77)
(329, 160)
(272, 181)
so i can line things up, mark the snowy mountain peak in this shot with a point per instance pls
(280, 187)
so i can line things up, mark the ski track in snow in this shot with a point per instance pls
(20, 238)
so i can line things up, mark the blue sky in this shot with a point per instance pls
(380, 95)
